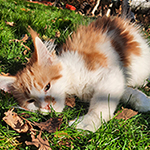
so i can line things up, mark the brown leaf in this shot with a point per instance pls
(57, 34)
(44, 2)
(10, 23)
(65, 139)
(45, 27)
(23, 9)
(4, 74)
(25, 52)
(13, 120)
(66, 142)
(70, 101)
(39, 142)
(25, 47)
(50, 125)
(24, 39)
(15, 40)
(125, 113)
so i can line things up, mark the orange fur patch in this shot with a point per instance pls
(122, 39)
(84, 41)
(117, 30)
(34, 75)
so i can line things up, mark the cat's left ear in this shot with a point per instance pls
(6, 81)
(41, 54)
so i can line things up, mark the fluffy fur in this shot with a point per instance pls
(99, 63)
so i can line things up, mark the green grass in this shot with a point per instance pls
(115, 134)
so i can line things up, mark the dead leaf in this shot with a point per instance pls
(45, 27)
(25, 47)
(25, 52)
(4, 74)
(57, 34)
(50, 125)
(26, 10)
(66, 142)
(65, 139)
(70, 101)
(13, 120)
(39, 142)
(25, 38)
(28, 59)
(125, 113)
(42, 2)
(10, 23)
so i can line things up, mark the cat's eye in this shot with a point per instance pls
(47, 87)
(31, 101)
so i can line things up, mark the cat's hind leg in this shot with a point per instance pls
(136, 99)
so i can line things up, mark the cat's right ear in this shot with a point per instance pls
(6, 81)
(41, 55)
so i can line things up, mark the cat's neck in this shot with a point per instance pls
(73, 73)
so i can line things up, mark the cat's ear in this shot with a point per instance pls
(41, 54)
(6, 81)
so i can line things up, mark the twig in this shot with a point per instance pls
(96, 6)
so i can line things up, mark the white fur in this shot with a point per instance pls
(104, 87)
(137, 99)
(139, 70)
(50, 46)
(98, 85)
(5, 81)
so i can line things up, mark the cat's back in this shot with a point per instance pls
(107, 43)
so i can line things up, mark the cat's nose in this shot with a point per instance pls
(50, 100)
(44, 104)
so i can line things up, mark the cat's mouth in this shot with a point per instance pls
(47, 107)
(49, 100)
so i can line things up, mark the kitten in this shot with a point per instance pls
(99, 63)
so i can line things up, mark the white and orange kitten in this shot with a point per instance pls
(99, 63)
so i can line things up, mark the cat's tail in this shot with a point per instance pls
(136, 99)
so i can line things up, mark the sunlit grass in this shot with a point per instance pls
(116, 134)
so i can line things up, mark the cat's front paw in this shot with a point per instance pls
(86, 123)
(58, 106)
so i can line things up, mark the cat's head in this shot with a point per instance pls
(32, 86)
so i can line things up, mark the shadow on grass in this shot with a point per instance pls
(11, 66)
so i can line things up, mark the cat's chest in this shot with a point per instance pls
(82, 91)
